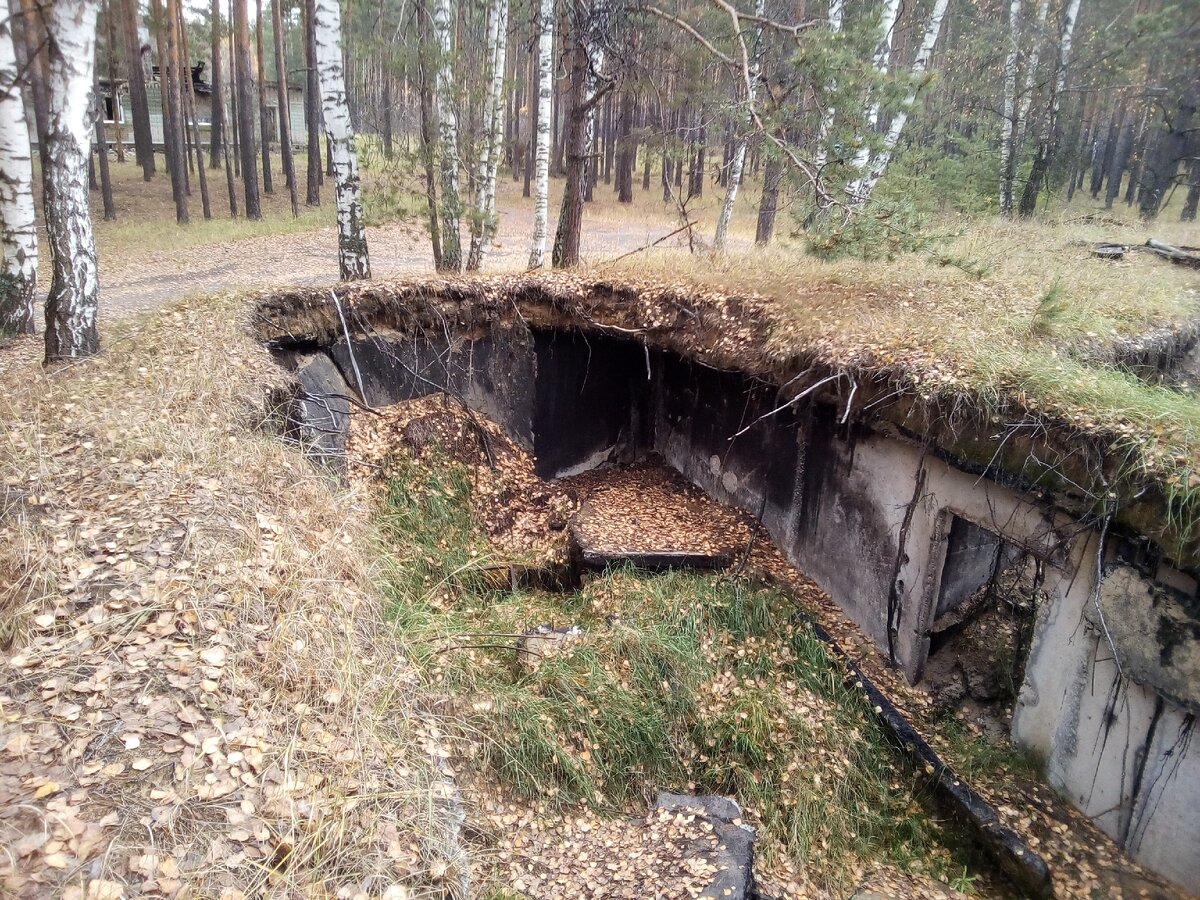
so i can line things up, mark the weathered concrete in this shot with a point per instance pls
(871, 515)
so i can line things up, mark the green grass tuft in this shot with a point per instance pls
(680, 681)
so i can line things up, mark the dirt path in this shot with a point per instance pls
(139, 282)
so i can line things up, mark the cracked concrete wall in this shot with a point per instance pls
(1119, 750)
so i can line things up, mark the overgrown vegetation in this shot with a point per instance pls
(1022, 321)
(678, 681)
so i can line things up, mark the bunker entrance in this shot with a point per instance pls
(982, 622)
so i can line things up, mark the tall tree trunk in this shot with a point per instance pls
(1039, 39)
(285, 110)
(172, 73)
(1120, 156)
(767, 207)
(1043, 160)
(18, 231)
(1138, 150)
(106, 194)
(312, 108)
(443, 29)
(1008, 140)
(625, 149)
(143, 139)
(387, 115)
(217, 115)
(34, 34)
(191, 119)
(570, 219)
(1079, 160)
(881, 61)
(534, 106)
(233, 121)
(1160, 168)
(73, 300)
(483, 224)
(426, 75)
(545, 90)
(1104, 163)
(738, 157)
(352, 235)
(245, 108)
(110, 34)
(264, 115)
(861, 190)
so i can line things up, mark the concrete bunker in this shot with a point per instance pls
(903, 535)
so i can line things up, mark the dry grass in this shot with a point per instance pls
(1003, 318)
(206, 694)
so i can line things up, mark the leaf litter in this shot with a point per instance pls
(197, 697)
(542, 847)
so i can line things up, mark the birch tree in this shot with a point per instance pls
(73, 300)
(541, 193)
(1008, 140)
(738, 161)
(830, 112)
(18, 235)
(861, 190)
(881, 63)
(443, 32)
(339, 133)
(483, 225)
(1047, 147)
(1039, 37)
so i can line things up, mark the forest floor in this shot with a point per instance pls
(205, 688)
(146, 259)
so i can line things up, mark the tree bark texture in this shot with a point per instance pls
(353, 261)
(245, 109)
(483, 224)
(1043, 160)
(34, 34)
(541, 165)
(443, 29)
(73, 301)
(264, 116)
(425, 67)
(861, 190)
(312, 107)
(18, 232)
(1008, 140)
(570, 219)
(173, 114)
(143, 141)
(285, 111)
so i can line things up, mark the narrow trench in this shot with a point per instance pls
(627, 587)
(602, 550)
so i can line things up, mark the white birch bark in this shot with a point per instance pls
(73, 301)
(443, 28)
(826, 126)
(739, 152)
(353, 260)
(484, 226)
(595, 52)
(862, 189)
(1008, 139)
(883, 54)
(18, 235)
(541, 192)
(1031, 73)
